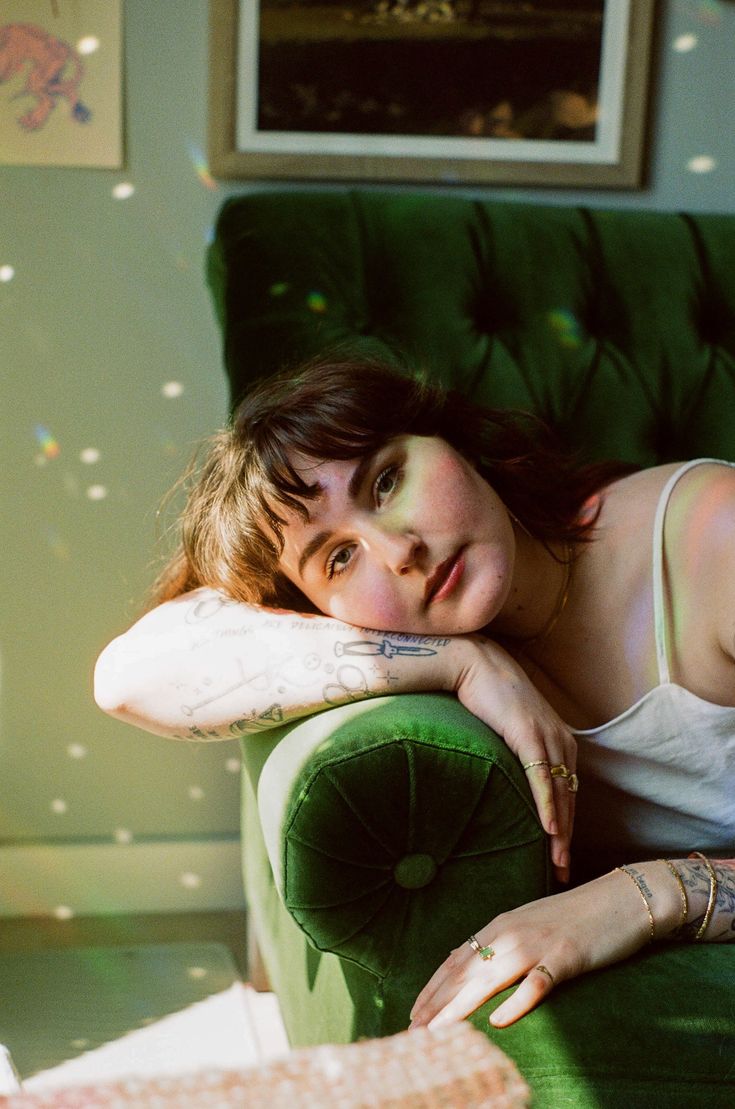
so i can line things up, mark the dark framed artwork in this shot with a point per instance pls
(447, 91)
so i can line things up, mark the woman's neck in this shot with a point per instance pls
(543, 579)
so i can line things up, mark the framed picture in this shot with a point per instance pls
(61, 98)
(446, 91)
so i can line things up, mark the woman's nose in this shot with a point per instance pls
(399, 549)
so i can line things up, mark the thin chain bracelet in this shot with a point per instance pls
(712, 894)
(682, 894)
(636, 883)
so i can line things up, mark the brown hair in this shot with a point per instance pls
(231, 527)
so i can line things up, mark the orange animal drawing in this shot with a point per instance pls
(54, 71)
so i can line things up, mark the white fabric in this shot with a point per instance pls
(662, 774)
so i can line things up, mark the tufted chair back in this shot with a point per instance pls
(616, 327)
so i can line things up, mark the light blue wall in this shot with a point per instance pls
(107, 304)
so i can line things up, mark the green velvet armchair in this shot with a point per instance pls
(379, 835)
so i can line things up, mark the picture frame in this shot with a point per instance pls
(61, 84)
(290, 98)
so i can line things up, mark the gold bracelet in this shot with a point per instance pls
(712, 894)
(636, 883)
(682, 894)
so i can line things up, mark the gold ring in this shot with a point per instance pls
(538, 762)
(572, 783)
(485, 953)
(560, 771)
(547, 972)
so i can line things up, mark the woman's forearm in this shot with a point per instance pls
(691, 898)
(204, 667)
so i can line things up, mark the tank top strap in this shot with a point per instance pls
(660, 615)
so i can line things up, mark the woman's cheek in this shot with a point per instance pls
(367, 607)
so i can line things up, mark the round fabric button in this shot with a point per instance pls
(414, 871)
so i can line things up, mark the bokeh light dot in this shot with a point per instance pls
(59, 806)
(703, 163)
(684, 43)
(123, 191)
(196, 793)
(76, 750)
(172, 389)
(97, 492)
(89, 456)
(63, 912)
(233, 766)
(122, 836)
(196, 972)
(189, 880)
(80, 1044)
(7, 273)
(88, 44)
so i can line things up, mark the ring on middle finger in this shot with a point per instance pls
(560, 771)
(485, 953)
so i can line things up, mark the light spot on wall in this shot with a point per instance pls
(76, 750)
(196, 793)
(684, 43)
(63, 912)
(123, 191)
(89, 456)
(46, 441)
(97, 492)
(200, 165)
(88, 44)
(172, 389)
(702, 163)
(189, 880)
(59, 806)
(122, 836)
(7, 273)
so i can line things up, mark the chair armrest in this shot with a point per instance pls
(397, 826)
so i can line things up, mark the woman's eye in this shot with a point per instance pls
(385, 483)
(339, 561)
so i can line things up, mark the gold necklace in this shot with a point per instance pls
(561, 602)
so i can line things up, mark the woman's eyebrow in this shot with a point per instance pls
(354, 487)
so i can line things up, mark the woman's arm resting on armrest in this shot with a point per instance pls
(205, 667)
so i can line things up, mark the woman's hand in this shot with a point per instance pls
(547, 941)
(495, 689)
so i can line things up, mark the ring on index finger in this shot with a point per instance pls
(484, 952)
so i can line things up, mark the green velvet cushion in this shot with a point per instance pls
(399, 826)
(617, 327)
(397, 817)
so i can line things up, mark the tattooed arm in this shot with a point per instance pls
(205, 667)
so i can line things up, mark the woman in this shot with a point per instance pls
(346, 498)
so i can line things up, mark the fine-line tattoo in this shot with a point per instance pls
(385, 648)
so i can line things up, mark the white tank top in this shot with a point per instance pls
(659, 778)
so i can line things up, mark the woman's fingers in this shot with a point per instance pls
(537, 985)
(462, 984)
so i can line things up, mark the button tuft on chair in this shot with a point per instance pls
(414, 871)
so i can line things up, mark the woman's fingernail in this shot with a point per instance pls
(553, 828)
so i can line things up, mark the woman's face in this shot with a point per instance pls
(410, 538)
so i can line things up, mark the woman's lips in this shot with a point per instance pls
(445, 578)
